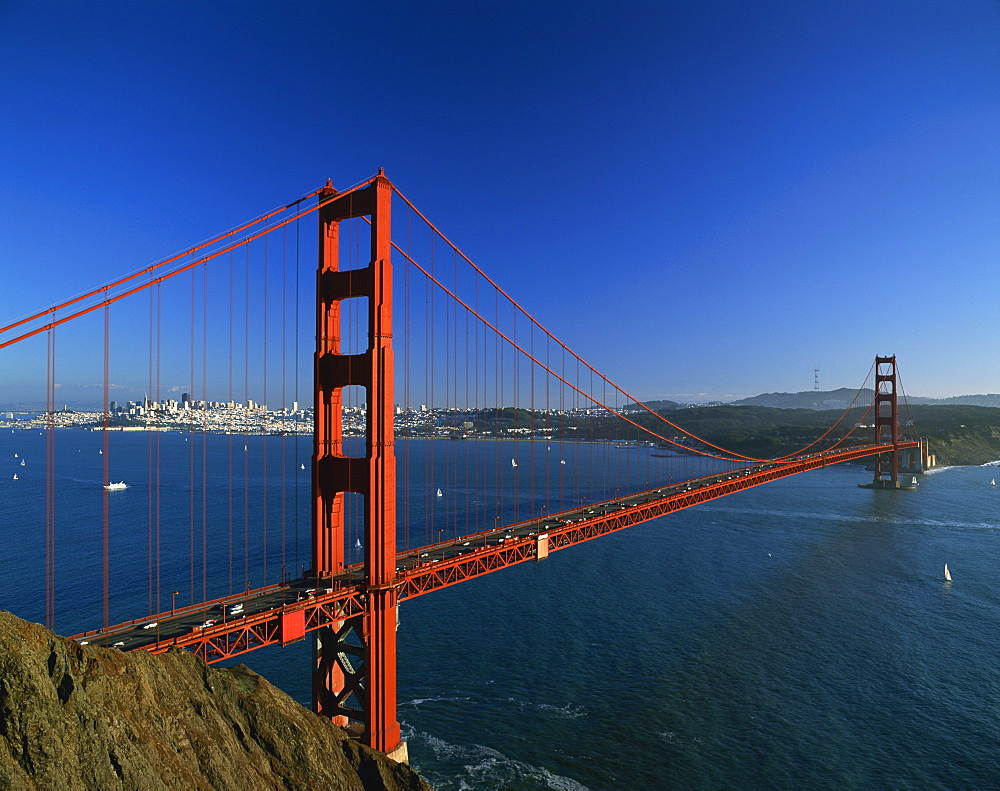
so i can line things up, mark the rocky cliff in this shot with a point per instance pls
(84, 717)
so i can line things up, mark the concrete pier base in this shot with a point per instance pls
(892, 486)
(400, 753)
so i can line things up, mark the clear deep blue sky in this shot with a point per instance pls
(711, 198)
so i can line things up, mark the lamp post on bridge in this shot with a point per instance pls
(173, 601)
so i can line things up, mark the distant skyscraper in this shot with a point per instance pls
(185, 400)
(113, 407)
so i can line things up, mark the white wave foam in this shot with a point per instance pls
(936, 470)
(486, 768)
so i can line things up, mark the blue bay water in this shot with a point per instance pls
(798, 635)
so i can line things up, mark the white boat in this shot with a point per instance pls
(440, 493)
(993, 482)
(302, 466)
(100, 452)
(114, 486)
(947, 574)
(15, 455)
(22, 462)
(513, 462)
(562, 461)
(357, 543)
(15, 476)
(914, 481)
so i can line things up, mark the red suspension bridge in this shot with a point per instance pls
(489, 442)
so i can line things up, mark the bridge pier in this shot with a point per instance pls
(354, 671)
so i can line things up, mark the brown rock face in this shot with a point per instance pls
(85, 717)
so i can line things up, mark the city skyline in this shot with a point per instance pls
(740, 193)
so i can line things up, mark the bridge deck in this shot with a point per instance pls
(280, 614)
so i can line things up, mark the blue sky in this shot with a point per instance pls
(704, 199)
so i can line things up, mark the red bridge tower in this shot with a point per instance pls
(886, 424)
(354, 671)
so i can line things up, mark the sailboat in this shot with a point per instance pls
(100, 452)
(15, 476)
(914, 481)
(15, 455)
(22, 462)
(302, 466)
(440, 494)
(562, 461)
(513, 462)
(993, 482)
(357, 543)
(947, 574)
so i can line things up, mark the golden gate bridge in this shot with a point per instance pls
(451, 434)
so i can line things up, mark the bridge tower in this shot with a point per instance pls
(354, 660)
(886, 423)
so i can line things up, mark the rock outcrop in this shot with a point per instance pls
(85, 717)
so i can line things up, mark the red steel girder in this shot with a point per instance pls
(477, 561)
(347, 597)
(240, 635)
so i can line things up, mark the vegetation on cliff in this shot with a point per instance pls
(963, 435)
(85, 717)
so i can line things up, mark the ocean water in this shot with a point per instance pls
(798, 635)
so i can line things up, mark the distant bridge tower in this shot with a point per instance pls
(886, 423)
(354, 670)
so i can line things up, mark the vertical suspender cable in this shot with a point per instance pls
(159, 409)
(246, 403)
(50, 483)
(105, 478)
(407, 324)
(149, 463)
(229, 412)
(298, 295)
(191, 442)
(204, 433)
(263, 510)
(284, 393)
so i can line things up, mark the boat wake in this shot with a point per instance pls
(846, 518)
(569, 711)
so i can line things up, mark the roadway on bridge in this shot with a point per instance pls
(232, 611)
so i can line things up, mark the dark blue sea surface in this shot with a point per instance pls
(799, 635)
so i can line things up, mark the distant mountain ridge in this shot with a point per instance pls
(841, 398)
(809, 399)
(825, 399)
